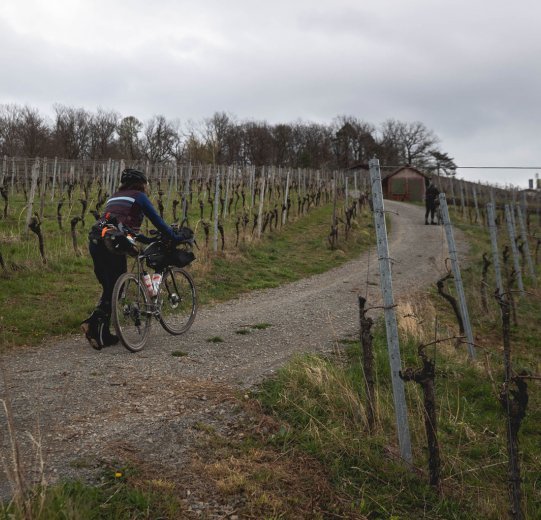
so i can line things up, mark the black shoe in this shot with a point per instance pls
(96, 330)
(434, 223)
(109, 339)
(90, 328)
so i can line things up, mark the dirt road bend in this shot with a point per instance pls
(74, 407)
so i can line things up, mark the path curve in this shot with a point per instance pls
(82, 406)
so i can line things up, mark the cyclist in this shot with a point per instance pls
(126, 208)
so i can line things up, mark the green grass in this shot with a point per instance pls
(261, 326)
(320, 404)
(120, 495)
(39, 301)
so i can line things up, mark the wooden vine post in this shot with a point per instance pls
(35, 175)
(216, 208)
(261, 204)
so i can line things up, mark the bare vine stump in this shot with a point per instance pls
(510, 276)
(84, 205)
(35, 227)
(4, 193)
(368, 360)
(454, 304)
(59, 213)
(505, 307)
(74, 222)
(333, 236)
(514, 403)
(425, 378)
(254, 225)
(484, 283)
(222, 235)
(206, 229)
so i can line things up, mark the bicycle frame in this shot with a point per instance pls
(155, 302)
(174, 304)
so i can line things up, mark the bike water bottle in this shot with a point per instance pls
(148, 283)
(156, 279)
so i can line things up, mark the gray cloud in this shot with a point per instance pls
(467, 69)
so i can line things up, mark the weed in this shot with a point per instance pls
(261, 326)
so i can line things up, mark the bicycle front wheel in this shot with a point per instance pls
(131, 312)
(177, 300)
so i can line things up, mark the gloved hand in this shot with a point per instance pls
(184, 236)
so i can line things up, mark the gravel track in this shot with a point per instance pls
(83, 408)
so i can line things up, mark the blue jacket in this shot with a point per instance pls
(130, 207)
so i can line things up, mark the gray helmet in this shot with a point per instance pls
(131, 176)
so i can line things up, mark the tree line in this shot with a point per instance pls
(76, 133)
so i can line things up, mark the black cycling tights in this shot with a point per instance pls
(107, 267)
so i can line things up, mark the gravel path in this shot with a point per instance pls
(76, 407)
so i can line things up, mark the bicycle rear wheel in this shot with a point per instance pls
(178, 301)
(131, 312)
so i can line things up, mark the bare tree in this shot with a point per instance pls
(195, 149)
(128, 131)
(34, 133)
(312, 145)
(257, 143)
(283, 144)
(72, 132)
(10, 119)
(158, 139)
(216, 131)
(353, 141)
(408, 143)
(103, 126)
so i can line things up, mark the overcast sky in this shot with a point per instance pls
(470, 70)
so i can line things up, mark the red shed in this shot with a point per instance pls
(407, 183)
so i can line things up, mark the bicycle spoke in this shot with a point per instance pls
(177, 301)
(131, 314)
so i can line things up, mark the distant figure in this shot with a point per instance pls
(431, 201)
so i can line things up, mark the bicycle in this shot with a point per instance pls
(172, 300)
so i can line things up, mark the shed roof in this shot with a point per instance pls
(406, 167)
